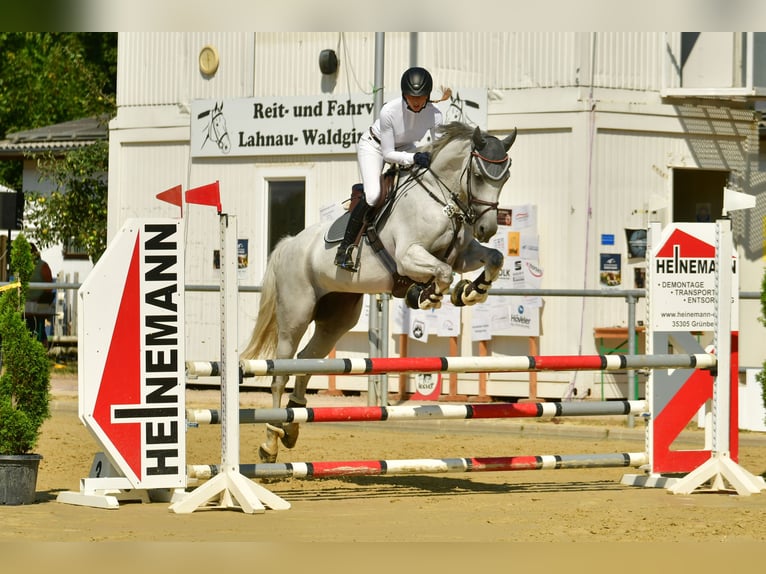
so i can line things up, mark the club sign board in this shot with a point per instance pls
(683, 277)
(131, 353)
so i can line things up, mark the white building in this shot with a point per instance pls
(616, 130)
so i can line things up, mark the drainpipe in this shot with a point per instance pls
(377, 385)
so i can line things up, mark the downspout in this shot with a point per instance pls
(589, 192)
(377, 385)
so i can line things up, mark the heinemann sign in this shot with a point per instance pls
(133, 368)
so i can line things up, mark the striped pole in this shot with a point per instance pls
(203, 368)
(423, 412)
(379, 365)
(425, 466)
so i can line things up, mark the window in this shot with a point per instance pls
(287, 209)
(73, 250)
(698, 194)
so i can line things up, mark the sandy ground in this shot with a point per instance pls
(575, 506)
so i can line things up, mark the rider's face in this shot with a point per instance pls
(416, 103)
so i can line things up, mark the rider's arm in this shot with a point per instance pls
(388, 143)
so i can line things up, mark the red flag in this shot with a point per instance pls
(205, 195)
(172, 195)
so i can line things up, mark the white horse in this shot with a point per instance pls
(434, 227)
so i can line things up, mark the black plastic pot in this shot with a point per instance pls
(18, 478)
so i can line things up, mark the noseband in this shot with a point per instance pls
(488, 168)
(503, 163)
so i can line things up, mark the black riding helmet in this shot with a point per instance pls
(417, 82)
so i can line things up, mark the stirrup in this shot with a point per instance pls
(345, 260)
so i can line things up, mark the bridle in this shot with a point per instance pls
(464, 211)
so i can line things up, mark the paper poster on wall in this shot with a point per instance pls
(481, 318)
(504, 217)
(529, 245)
(523, 216)
(419, 326)
(331, 212)
(513, 246)
(533, 279)
(512, 317)
(636, 240)
(610, 270)
(400, 317)
(242, 255)
(442, 322)
(639, 278)
(448, 319)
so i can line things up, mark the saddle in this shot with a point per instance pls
(374, 221)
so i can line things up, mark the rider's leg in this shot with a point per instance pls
(370, 161)
(343, 258)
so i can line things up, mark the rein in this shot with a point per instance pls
(468, 214)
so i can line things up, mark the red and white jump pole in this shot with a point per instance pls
(364, 366)
(423, 412)
(425, 466)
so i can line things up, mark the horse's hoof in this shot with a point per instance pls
(290, 437)
(413, 295)
(265, 455)
(457, 293)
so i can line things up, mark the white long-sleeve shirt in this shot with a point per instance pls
(398, 128)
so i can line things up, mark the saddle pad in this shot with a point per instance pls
(338, 229)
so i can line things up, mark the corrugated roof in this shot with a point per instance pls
(57, 137)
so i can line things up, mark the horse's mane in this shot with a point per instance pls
(446, 133)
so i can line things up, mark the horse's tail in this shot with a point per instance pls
(263, 341)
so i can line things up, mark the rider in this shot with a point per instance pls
(402, 122)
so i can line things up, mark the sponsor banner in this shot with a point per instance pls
(296, 125)
(132, 374)
(684, 296)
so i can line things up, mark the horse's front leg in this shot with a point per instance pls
(472, 292)
(418, 264)
(268, 450)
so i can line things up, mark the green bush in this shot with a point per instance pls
(25, 379)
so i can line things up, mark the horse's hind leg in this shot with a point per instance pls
(268, 450)
(336, 314)
(286, 345)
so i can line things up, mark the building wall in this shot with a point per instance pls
(596, 150)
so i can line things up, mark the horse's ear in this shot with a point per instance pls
(478, 139)
(508, 141)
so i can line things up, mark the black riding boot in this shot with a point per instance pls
(343, 258)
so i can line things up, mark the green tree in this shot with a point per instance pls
(25, 379)
(48, 78)
(76, 208)
(52, 77)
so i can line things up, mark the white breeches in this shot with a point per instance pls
(370, 158)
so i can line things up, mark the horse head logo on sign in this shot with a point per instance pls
(216, 128)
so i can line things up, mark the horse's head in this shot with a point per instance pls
(473, 166)
(488, 170)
